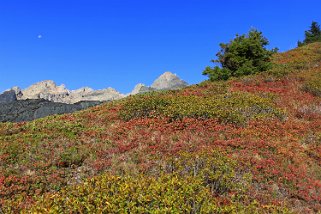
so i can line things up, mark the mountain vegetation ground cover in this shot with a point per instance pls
(251, 144)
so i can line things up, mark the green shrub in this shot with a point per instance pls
(111, 194)
(244, 55)
(218, 172)
(186, 184)
(13, 151)
(71, 156)
(56, 126)
(313, 85)
(235, 107)
(279, 70)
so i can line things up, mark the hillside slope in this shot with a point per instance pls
(248, 145)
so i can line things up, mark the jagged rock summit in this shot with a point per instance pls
(168, 81)
(43, 88)
(46, 98)
(141, 88)
(49, 90)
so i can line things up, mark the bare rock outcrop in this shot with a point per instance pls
(8, 97)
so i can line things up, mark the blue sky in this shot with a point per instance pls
(119, 43)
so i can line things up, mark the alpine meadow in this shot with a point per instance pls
(247, 140)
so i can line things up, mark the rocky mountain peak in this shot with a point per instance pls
(141, 88)
(47, 85)
(168, 80)
(43, 89)
(49, 90)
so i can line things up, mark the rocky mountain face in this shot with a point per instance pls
(46, 98)
(8, 97)
(167, 81)
(141, 88)
(48, 90)
(26, 110)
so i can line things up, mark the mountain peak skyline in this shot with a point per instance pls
(49, 90)
(120, 43)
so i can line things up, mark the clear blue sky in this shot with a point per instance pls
(118, 43)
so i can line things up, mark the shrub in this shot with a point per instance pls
(71, 156)
(186, 184)
(218, 172)
(112, 194)
(244, 55)
(279, 70)
(313, 85)
(235, 107)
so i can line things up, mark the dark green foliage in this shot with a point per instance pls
(312, 35)
(244, 55)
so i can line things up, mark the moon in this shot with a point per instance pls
(39, 36)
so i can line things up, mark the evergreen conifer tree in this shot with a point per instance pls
(312, 35)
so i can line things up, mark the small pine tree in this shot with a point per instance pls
(244, 55)
(312, 35)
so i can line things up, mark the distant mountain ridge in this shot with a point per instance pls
(46, 98)
(49, 90)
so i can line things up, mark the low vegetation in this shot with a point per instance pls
(233, 107)
(180, 186)
(313, 85)
(247, 145)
